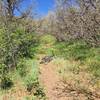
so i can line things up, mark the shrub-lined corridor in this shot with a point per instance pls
(50, 55)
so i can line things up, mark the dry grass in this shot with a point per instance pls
(76, 77)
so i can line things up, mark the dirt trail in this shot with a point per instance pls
(53, 85)
(50, 79)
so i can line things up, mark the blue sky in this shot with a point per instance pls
(42, 6)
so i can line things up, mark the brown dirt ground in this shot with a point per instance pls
(52, 84)
(49, 79)
(55, 89)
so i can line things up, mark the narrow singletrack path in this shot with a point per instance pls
(50, 79)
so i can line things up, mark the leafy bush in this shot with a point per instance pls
(5, 79)
(47, 39)
(32, 85)
(33, 50)
(76, 51)
(31, 79)
(22, 67)
(79, 50)
(30, 98)
(47, 51)
(15, 44)
(6, 83)
(46, 45)
(60, 48)
(95, 68)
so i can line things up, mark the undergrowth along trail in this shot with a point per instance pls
(56, 89)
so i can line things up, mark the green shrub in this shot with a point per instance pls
(75, 51)
(31, 79)
(15, 43)
(30, 98)
(46, 44)
(40, 93)
(94, 67)
(6, 83)
(93, 61)
(41, 49)
(47, 39)
(60, 48)
(94, 53)
(33, 50)
(22, 68)
(32, 83)
(81, 51)
(5, 79)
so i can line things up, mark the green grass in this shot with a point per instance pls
(76, 50)
(47, 39)
(80, 51)
(30, 98)
(31, 79)
(27, 75)
(27, 70)
(32, 73)
(46, 45)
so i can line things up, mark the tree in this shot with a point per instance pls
(16, 36)
(9, 7)
(78, 21)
